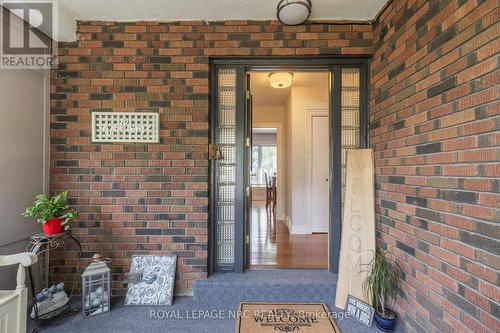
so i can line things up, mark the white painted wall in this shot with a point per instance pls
(288, 159)
(24, 110)
(300, 100)
(268, 114)
(24, 157)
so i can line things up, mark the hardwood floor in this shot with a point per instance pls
(272, 246)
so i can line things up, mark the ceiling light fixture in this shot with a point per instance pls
(280, 80)
(294, 12)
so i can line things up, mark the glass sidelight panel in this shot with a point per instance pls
(226, 167)
(350, 114)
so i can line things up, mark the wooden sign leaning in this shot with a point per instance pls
(358, 227)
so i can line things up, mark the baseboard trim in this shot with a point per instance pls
(298, 230)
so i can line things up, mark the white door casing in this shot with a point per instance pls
(280, 150)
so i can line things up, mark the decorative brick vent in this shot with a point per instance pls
(125, 127)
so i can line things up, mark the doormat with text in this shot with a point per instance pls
(285, 317)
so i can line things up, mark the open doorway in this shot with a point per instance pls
(230, 151)
(289, 170)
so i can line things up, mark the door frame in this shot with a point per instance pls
(280, 144)
(310, 113)
(331, 63)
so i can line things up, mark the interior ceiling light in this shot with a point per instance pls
(294, 12)
(280, 80)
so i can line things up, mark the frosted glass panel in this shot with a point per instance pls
(227, 77)
(226, 212)
(226, 194)
(229, 153)
(227, 135)
(350, 77)
(226, 248)
(350, 108)
(350, 97)
(350, 137)
(226, 167)
(227, 97)
(226, 232)
(350, 117)
(227, 173)
(227, 116)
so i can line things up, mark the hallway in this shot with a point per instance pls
(273, 247)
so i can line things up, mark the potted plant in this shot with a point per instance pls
(53, 212)
(381, 285)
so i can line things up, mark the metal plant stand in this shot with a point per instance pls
(42, 244)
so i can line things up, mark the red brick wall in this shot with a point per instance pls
(152, 198)
(435, 129)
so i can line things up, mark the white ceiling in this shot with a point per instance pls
(264, 95)
(177, 10)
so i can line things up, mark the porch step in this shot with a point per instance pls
(288, 285)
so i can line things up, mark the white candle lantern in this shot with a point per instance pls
(96, 290)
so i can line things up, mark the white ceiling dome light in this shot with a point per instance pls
(294, 12)
(280, 80)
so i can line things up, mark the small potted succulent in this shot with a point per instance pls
(53, 213)
(381, 284)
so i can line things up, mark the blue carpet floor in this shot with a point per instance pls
(211, 309)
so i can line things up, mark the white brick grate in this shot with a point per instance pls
(125, 127)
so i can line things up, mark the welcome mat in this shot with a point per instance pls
(285, 317)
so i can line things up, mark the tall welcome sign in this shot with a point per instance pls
(358, 227)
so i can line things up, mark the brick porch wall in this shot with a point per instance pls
(434, 126)
(152, 198)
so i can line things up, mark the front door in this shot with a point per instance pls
(247, 166)
(230, 136)
(230, 191)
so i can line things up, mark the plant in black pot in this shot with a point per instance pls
(381, 284)
(53, 213)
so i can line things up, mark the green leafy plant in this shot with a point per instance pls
(46, 207)
(382, 282)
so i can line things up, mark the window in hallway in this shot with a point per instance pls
(264, 155)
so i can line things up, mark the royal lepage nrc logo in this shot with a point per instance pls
(29, 32)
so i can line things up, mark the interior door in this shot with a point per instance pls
(320, 174)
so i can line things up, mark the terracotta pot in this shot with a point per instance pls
(53, 226)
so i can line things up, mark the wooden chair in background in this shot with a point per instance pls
(270, 191)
